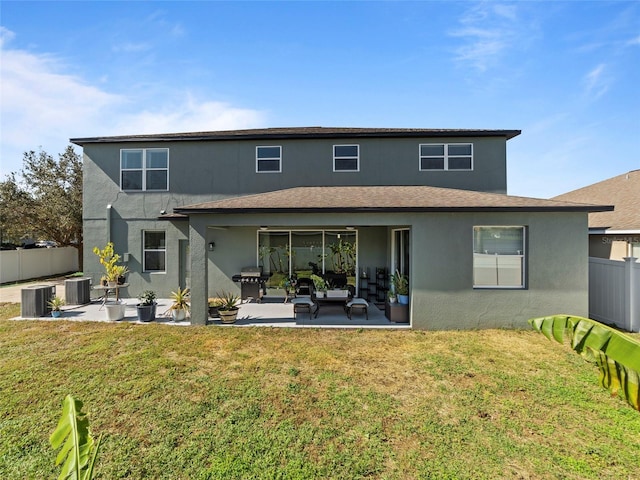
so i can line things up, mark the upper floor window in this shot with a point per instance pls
(446, 156)
(346, 158)
(268, 159)
(499, 257)
(144, 169)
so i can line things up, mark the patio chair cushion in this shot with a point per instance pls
(357, 303)
(304, 304)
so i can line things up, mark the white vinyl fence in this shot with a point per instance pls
(614, 292)
(16, 265)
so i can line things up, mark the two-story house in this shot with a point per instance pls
(193, 209)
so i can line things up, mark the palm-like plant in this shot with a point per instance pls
(616, 354)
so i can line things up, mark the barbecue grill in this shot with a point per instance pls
(252, 282)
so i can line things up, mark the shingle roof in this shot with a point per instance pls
(622, 191)
(380, 199)
(300, 132)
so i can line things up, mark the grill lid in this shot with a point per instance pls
(251, 271)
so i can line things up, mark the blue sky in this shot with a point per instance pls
(565, 73)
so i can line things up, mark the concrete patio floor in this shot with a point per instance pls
(250, 315)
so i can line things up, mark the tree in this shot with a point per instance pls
(46, 200)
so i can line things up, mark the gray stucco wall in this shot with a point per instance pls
(443, 296)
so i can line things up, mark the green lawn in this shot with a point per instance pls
(211, 402)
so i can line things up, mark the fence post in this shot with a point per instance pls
(631, 302)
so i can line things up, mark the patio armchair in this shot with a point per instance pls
(306, 304)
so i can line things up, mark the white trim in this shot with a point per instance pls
(445, 157)
(357, 157)
(604, 231)
(279, 158)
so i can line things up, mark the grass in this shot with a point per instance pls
(225, 403)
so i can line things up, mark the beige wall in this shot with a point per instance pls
(613, 247)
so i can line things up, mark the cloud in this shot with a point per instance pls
(189, 114)
(633, 41)
(43, 106)
(487, 31)
(596, 82)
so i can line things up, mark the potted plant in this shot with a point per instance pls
(108, 259)
(319, 284)
(228, 308)
(392, 296)
(147, 306)
(180, 305)
(400, 285)
(54, 304)
(214, 303)
(120, 272)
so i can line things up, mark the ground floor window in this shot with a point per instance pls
(154, 251)
(499, 256)
(300, 253)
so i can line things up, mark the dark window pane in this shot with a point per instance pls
(345, 150)
(268, 152)
(154, 240)
(157, 158)
(431, 150)
(269, 165)
(432, 163)
(156, 179)
(132, 180)
(154, 261)
(460, 149)
(131, 159)
(459, 163)
(346, 164)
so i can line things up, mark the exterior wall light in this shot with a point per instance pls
(212, 246)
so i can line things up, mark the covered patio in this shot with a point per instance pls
(250, 315)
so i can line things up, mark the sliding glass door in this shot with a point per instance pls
(300, 253)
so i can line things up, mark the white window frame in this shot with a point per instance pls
(145, 250)
(496, 256)
(144, 169)
(446, 158)
(279, 158)
(349, 157)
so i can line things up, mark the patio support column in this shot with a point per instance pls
(199, 267)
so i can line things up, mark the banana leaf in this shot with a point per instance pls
(78, 450)
(616, 354)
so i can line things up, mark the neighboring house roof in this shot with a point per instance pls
(300, 132)
(382, 199)
(623, 192)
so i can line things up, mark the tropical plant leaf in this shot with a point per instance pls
(615, 376)
(73, 437)
(616, 354)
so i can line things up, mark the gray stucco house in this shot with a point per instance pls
(193, 209)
